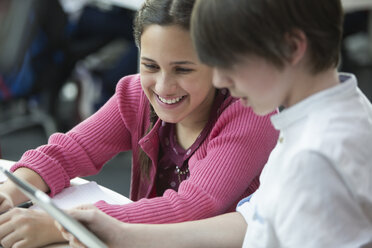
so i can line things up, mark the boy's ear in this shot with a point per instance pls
(297, 44)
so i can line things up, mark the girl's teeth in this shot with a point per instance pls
(170, 101)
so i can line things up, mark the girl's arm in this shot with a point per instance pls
(224, 169)
(88, 146)
(10, 195)
(81, 151)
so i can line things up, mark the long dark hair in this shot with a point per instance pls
(164, 13)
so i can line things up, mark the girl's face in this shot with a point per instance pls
(257, 83)
(177, 85)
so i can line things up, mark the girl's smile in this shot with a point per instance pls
(171, 102)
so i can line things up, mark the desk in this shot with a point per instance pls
(76, 181)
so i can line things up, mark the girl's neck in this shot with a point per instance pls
(189, 129)
(186, 136)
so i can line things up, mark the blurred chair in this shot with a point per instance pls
(42, 47)
(19, 25)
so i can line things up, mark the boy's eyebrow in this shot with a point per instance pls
(151, 60)
(182, 63)
(172, 63)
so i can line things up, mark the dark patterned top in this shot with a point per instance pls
(173, 159)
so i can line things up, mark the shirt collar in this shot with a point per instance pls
(302, 109)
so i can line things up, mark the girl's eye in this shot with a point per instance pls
(183, 70)
(150, 67)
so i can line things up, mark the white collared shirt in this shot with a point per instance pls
(316, 188)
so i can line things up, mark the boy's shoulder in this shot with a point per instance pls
(340, 122)
(341, 134)
(336, 118)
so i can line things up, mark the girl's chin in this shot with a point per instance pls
(169, 116)
(168, 119)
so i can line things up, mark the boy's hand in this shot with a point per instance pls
(108, 229)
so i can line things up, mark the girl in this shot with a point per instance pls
(196, 153)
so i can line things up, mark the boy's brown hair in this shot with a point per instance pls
(224, 31)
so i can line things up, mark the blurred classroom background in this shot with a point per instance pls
(61, 59)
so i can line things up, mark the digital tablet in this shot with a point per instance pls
(46, 203)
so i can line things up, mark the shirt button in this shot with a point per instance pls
(188, 152)
(173, 184)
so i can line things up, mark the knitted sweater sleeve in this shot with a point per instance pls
(87, 147)
(222, 170)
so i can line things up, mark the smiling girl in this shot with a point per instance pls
(196, 150)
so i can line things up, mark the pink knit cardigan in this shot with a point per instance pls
(223, 170)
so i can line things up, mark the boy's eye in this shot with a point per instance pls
(151, 67)
(183, 70)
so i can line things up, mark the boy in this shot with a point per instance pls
(316, 189)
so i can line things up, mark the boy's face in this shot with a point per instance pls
(257, 83)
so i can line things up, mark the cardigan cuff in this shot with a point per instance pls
(52, 175)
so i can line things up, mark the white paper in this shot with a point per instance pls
(3, 178)
(6, 164)
(87, 193)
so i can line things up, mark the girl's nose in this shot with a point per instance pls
(166, 84)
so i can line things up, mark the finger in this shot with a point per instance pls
(21, 244)
(82, 215)
(75, 243)
(5, 230)
(66, 235)
(5, 202)
(86, 207)
(10, 240)
(59, 226)
(62, 230)
(5, 217)
(72, 240)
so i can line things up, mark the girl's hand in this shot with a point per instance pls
(26, 228)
